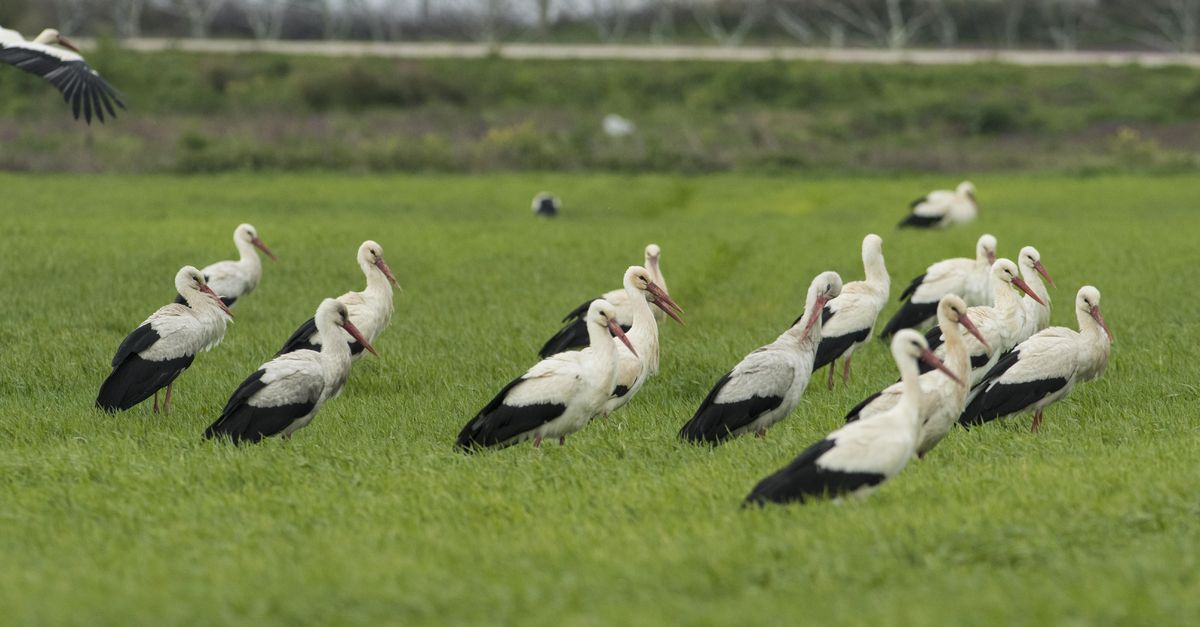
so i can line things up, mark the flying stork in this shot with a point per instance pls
(942, 208)
(556, 397)
(232, 280)
(284, 394)
(370, 310)
(854, 460)
(633, 368)
(574, 333)
(1046, 367)
(963, 277)
(942, 400)
(163, 346)
(767, 384)
(65, 69)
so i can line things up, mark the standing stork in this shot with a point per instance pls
(556, 397)
(232, 280)
(370, 310)
(960, 276)
(999, 325)
(848, 320)
(767, 384)
(942, 400)
(284, 394)
(80, 85)
(574, 333)
(1046, 367)
(1035, 317)
(856, 459)
(942, 208)
(633, 368)
(161, 348)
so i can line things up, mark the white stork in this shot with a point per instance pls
(968, 278)
(1035, 317)
(574, 333)
(556, 397)
(942, 400)
(856, 459)
(546, 205)
(65, 69)
(942, 208)
(1046, 367)
(633, 368)
(1000, 325)
(370, 310)
(284, 394)
(848, 320)
(767, 384)
(232, 280)
(163, 346)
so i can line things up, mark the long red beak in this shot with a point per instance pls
(974, 330)
(1100, 321)
(387, 272)
(356, 334)
(931, 359)
(68, 44)
(619, 333)
(213, 295)
(664, 302)
(991, 255)
(1019, 282)
(1037, 265)
(818, 307)
(263, 247)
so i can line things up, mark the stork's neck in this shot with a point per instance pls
(1005, 297)
(203, 304)
(247, 254)
(877, 274)
(957, 359)
(377, 281)
(644, 332)
(797, 329)
(335, 353)
(1034, 279)
(910, 391)
(656, 271)
(601, 343)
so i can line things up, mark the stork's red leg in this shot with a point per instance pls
(832, 367)
(537, 441)
(562, 439)
(167, 401)
(1037, 421)
(846, 370)
(156, 401)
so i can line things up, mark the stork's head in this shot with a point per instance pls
(51, 37)
(640, 279)
(1006, 271)
(872, 247)
(966, 189)
(910, 346)
(652, 253)
(370, 253)
(332, 311)
(1087, 303)
(602, 313)
(953, 310)
(248, 234)
(190, 281)
(824, 288)
(1031, 260)
(985, 248)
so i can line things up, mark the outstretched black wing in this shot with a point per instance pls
(79, 83)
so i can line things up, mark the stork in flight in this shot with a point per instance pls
(81, 86)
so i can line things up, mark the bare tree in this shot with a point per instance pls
(1170, 25)
(710, 15)
(662, 28)
(804, 21)
(944, 22)
(1065, 19)
(543, 16)
(70, 15)
(891, 23)
(265, 17)
(198, 13)
(610, 19)
(127, 16)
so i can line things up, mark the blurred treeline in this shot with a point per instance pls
(1163, 25)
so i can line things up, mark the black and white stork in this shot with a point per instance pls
(370, 310)
(81, 86)
(1035, 316)
(967, 278)
(556, 397)
(161, 348)
(232, 280)
(942, 208)
(574, 333)
(857, 458)
(546, 205)
(634, 368)
(767, 384)
(284, 394)
(848, 320)
(1044, 368)
(942, 400)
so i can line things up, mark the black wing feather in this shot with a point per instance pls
(831, 348)
(499, 425)
(910, 315)
(919, 222)
(852, 415)
(242, 422)
(912, 287)
(714, 422)
(804, 479)
(80, 85)
(299, 340)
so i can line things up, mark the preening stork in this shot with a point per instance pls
(1035, 317)
(633, 368)
(968, 278)
(848, 320)
(161, 348)
(284, 394)
(370, 310)
(574, 333)
(856, 459)
(556, 397)
(943, 208)
(81, 86)
(942, 399)
(232, 280)
(999, 325)
(1046, 367)
(767, 384)
(546, 205)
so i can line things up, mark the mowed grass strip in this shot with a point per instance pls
(368, 516)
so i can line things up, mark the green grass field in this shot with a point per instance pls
(368, 516)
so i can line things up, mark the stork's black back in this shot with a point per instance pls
(134, 379)
(299, 338)
(714, 423)
(497, 424)
(242, 422)
(996, 400)
(804, 479)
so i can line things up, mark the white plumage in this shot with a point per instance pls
(633, 369)
(232, 280)
(967, 278)
(848, 321)
(1034, 316)
(80, 85)
(942, 208)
